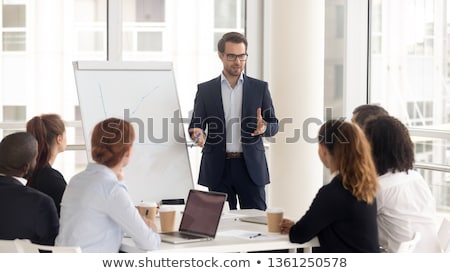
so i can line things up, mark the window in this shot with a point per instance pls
(144, 25)
(149, 41)
(335, 64)
(14, 26)
(150, 11)
(420, 36)
(37, 74)
(228, 15)
(376, 27)
(13, 113)
(420, 113)
(409, 75)
(90, 26)
(41, 79)
(339, 23)
(409, 71)
(91, 41)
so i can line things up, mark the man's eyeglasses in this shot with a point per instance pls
(233, 57)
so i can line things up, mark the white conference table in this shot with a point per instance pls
(233, 235)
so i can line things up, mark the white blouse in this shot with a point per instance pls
(406, 205)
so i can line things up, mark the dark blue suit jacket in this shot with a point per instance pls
(26, 213)
(208, 115)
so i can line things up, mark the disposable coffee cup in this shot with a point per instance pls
(147, 209)
(274, 217)
(167, 217)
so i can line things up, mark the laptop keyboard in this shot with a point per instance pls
(189, 236)
(184, 235)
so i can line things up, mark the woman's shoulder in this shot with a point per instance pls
(336, 182)
(397, 179)
(48, 172)
(333, 186)
(97, 176)
(335, 190)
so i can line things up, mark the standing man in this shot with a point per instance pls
(26, 213)
(231, 115)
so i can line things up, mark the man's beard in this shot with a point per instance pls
(232, 71)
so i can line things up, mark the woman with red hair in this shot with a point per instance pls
(96, 209)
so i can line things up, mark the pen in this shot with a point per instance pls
(254, 236)
(197, 137)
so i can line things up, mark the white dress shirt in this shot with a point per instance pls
(232, 108)
(406, 205)
(96, 210)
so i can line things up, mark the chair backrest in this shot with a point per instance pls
(409, 246)
(26, 246)
(444, 235)
(8, 246)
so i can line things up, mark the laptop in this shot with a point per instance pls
(200, 218)
(255, 219)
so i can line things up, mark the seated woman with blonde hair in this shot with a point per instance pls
(96, 209)
(343, 215)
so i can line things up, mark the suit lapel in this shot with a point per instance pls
(217, 98)
(245, 97)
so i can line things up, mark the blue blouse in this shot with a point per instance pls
(96, 211)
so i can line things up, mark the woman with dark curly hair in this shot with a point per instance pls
(405, 202)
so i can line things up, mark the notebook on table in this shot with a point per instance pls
(255, 219)
(200, 218)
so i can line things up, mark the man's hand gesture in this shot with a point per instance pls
(260, 124)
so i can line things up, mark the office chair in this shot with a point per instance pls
(26, 246)
(444, 235)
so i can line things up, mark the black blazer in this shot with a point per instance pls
(208, 115)
(26, 213)
(341, 222)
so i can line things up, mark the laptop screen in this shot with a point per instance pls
(202, 212)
